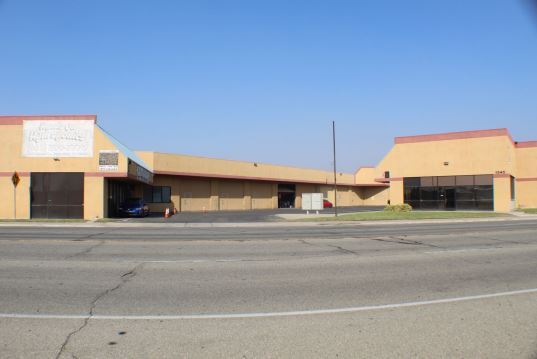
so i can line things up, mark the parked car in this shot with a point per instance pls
(134, 207)
(327, 204)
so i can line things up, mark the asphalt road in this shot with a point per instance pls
(418, 290)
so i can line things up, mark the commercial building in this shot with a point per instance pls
(69, 167)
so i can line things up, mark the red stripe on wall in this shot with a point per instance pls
(526, 144)
(267, 179)
(17, 120)
(527, 179)
(9, 174)
(106, 174)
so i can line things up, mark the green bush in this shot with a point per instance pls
(398, 208)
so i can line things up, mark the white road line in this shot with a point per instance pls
(268, 314)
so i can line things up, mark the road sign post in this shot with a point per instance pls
(15, 179)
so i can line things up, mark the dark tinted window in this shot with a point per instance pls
(428, 181)
(166, 194)
(446, 181)
(157, 194)
(483, 193)
(465, 193)
(464, 180)
(483, 180)
(411, 181)
(148, 194)
(429, 193)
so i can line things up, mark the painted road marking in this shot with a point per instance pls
(269, 314)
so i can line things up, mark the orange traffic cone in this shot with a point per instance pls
(167, 213)
(174, 210)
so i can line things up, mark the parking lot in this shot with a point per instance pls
(269, 215)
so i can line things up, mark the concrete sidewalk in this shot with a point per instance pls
(261, 224)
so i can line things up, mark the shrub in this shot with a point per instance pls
(398, 208)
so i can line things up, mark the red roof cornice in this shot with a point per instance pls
(17, 120)
(454, 136)
(526, 144)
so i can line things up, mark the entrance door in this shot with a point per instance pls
(447, 198)
(286, 195)
(58, 195)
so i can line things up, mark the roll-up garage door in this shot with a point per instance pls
(57, 195)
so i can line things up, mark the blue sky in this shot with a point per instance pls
(262, 80)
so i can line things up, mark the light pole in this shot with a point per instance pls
(335, 173)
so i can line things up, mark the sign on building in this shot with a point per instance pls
(108, 160)
(64, 138)
(312, 201)
(139, 173)
(15, 179)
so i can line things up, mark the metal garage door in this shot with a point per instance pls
(261, 195)
(57, 195)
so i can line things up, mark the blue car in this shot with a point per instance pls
(134, 207)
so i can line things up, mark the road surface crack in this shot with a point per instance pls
(343, 250)
(339, 248)
(498, 240)
(126, 277)
(86, 251)
(303, 241)
(402, 240)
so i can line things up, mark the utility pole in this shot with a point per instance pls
(335, 173)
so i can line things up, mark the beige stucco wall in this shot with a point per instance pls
(375, 196)
(201, 194)
(526, 194)
(11, 160)
(526, 159)
(164, 162)
(526, 185)
(366, 175)
(8, 200)
(263, 195)
(468, 156)
(95, 201)
(205, 184)
(231, 195)
(396, 192)
(502, 194)
(485, 155)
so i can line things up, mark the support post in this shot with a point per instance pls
(14, 202)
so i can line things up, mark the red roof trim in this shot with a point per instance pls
(17, 120)
(526, 144)
(266, 179)
(391, 179)
(372, 185)
(106, 174)
(454, 136)
(9, 174)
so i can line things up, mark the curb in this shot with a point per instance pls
(263, 224)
